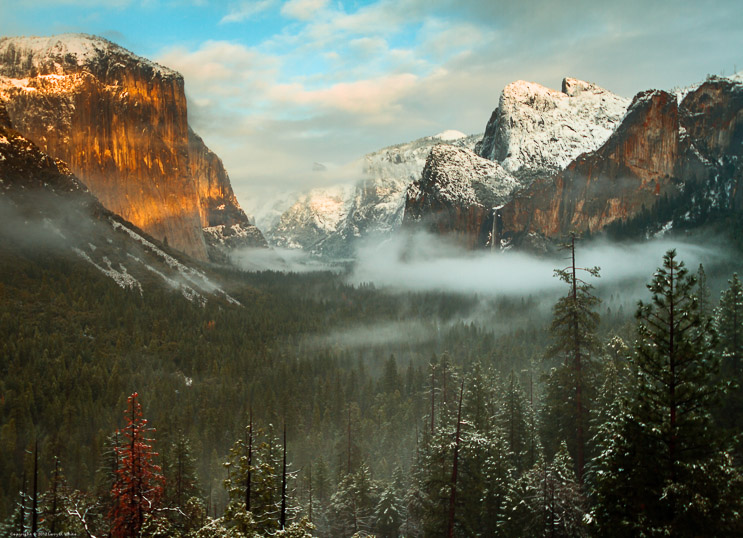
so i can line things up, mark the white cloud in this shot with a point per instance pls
(245, 10)
(374, 100)
(303, 9)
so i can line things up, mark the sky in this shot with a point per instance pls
(276, 86)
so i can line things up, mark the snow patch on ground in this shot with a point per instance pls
(122, 277)
(195, 278)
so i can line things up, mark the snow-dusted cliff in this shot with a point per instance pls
(120, 122)
(458, 194)
(329, 221)
(536, 128)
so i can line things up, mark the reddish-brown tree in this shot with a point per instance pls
(139, 482)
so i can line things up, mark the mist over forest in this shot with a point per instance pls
(363, 362)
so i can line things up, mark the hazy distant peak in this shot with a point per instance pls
(450, 135)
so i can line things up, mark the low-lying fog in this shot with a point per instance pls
(425, 262)
(421, 262)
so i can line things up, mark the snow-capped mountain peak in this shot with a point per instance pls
(328, 221)
(538, 128)
(55, 54)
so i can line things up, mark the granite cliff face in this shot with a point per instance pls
(457, 194)
(633, 168)
(686, 154)
(120, 122)
(226, 226)
(45, 210)
(675, 158)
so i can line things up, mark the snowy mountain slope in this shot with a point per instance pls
(329, 221)
(54, 55)
(316, 215)
(536, 128)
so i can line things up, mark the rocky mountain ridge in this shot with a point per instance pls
(537, 129)
(330, 221)
(667, 151)
(120, 122)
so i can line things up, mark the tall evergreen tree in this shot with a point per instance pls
(546, 501)
(703, 294)
(570, 388)
(650, 479)
(729, 324)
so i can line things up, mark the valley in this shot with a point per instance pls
(535, 331)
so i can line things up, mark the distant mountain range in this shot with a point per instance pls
(330, 222)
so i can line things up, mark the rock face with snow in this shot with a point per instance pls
(458, 194)
(120, 122)
(315, 216)
(225, 225)
(536, 129)
(662, 153)
(45, 208)
(330, 221)
(589, 161)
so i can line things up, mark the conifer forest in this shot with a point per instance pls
(144, 414)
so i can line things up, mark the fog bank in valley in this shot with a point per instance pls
(424, 262)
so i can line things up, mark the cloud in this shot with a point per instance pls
(245, 10)
(424, 262)
(303, 9)
(278, 259)
(372, 101)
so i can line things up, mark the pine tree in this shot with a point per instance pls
(352, 506)
(139, 483)
(651, 479)
(181, 483)
(547, 500)
(513, 421)
(570, 388)
(729, 324)
(703, 293)
(388, 514)
(57, 491)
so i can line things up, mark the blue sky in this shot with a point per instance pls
(274, 86)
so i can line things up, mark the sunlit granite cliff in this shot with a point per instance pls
(120, 122)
